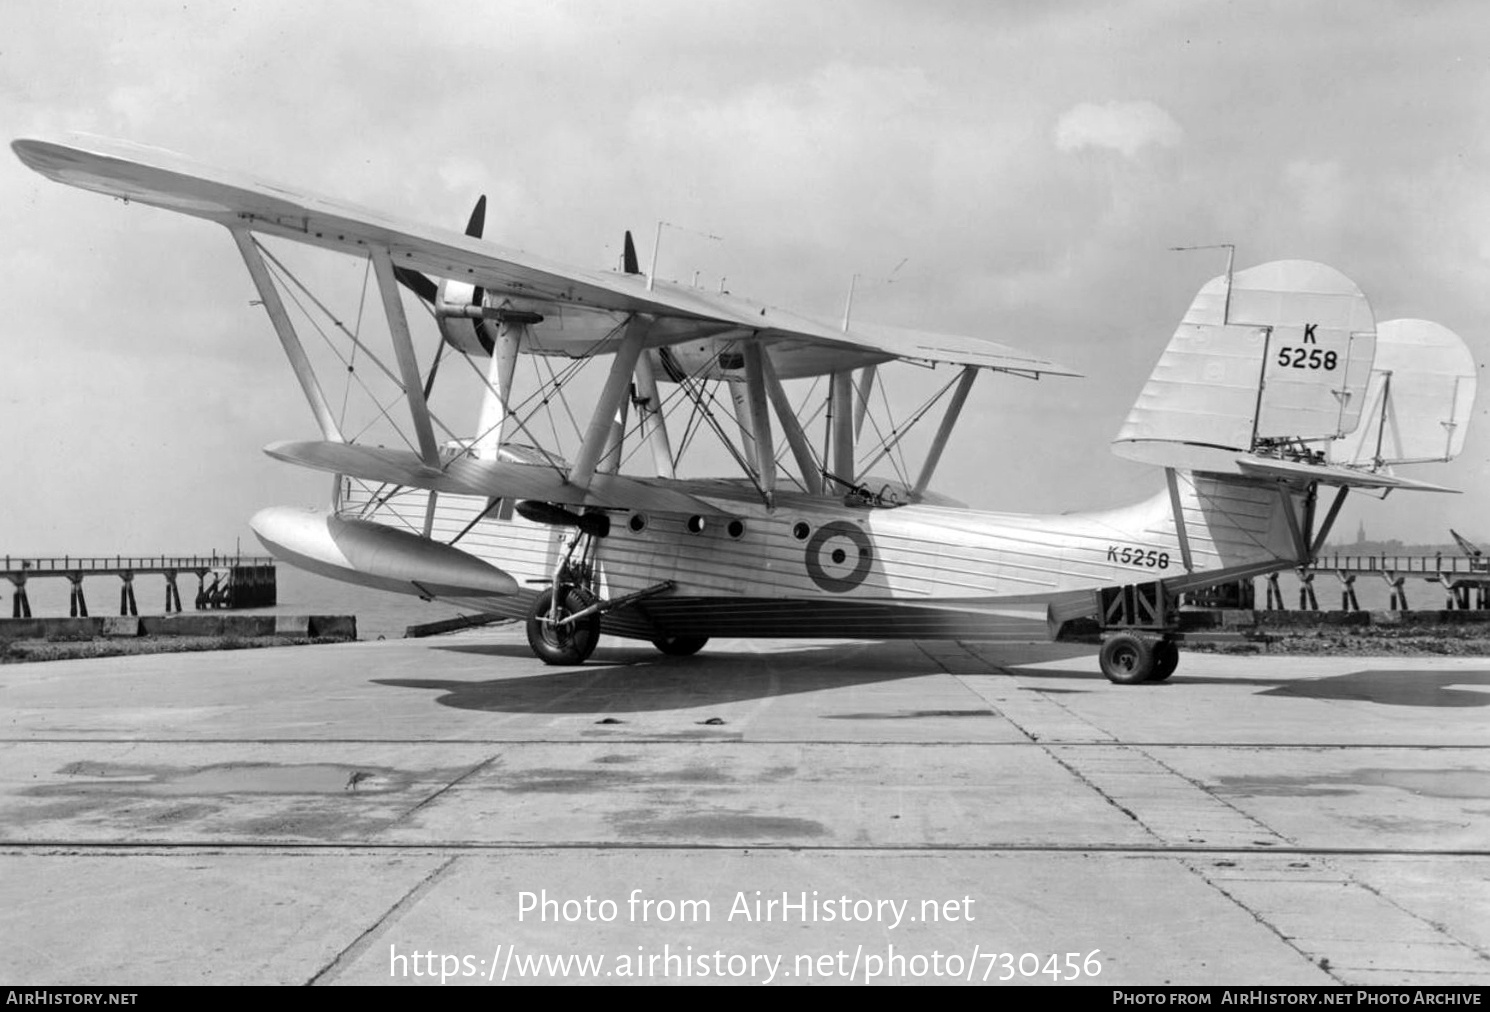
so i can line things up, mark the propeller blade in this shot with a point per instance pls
(474, 228)
(628, 258)
(417, 283)
(434, 367)
(477, 224)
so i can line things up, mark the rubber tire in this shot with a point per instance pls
(1127, 659)
(680, 646)
(569, 646)
(1166, 659)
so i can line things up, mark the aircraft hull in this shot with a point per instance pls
(814, 567)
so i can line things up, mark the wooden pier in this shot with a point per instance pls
(223, 581)
(1465, 580)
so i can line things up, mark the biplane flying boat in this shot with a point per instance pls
(1277, 383)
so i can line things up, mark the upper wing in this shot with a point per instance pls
(164, 179)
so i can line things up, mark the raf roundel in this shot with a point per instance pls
(839, 556)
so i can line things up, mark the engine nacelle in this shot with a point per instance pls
(706, 359)
(469, 334)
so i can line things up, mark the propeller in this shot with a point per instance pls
(474, 227)
(458, 333)
(424, 286)
(628, 258)
(477, 223)
(417, 283)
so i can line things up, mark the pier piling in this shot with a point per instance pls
(77, 607)
(237, 581)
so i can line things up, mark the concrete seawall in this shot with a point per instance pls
(341, 627)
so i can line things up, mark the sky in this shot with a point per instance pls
(1015, 171)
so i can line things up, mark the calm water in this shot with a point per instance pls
(378, 613)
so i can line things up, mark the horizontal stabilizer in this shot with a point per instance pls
(1217, 460)
(1278, 353)
(466, 475)
(1346, 477)
(1419, 400)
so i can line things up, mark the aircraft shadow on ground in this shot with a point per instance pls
(1389, 687)
(1396, 687)
(638, 679)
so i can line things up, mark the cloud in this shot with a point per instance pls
(1125, 127)
(1320, 190)
(976, 141)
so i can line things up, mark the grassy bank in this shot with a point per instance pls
(26, 651)
(1359, 641)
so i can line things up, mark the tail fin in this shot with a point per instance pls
(1419, 399)
(1277, 352)
(1274, 369)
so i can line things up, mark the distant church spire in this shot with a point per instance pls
(1360, 534)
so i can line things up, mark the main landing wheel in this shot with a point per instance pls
(570, 644)
(1128, 658)
(680, 646)
(1166, 659)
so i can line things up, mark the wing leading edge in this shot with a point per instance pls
(167, 180)
(466, 475)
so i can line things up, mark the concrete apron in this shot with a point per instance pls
(450, 810)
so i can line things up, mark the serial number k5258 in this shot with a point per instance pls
(1307, 358)
(1144, 558)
